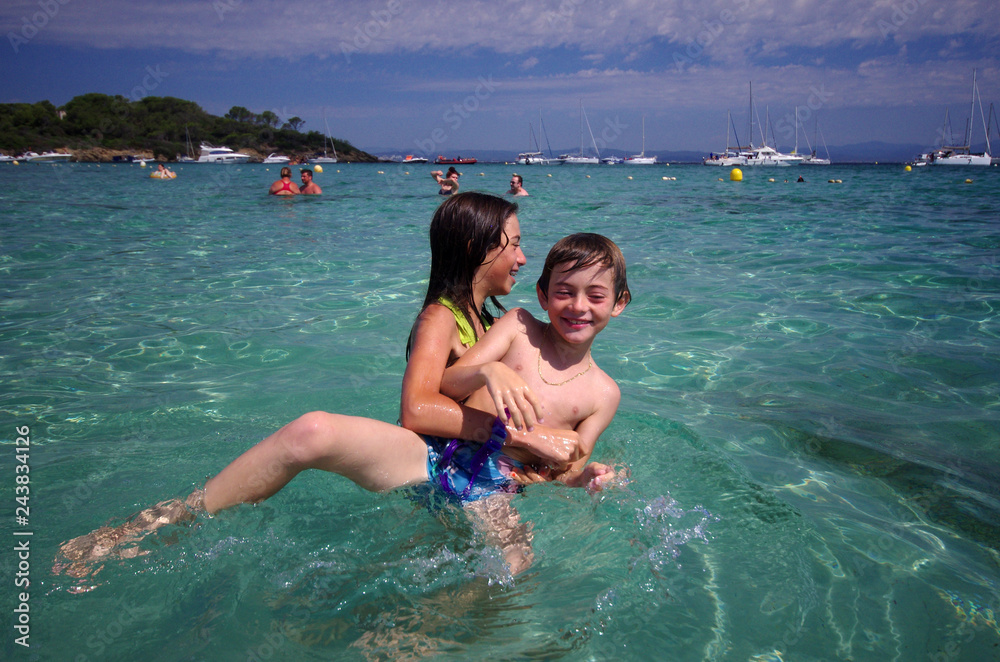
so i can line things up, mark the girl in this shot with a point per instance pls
(475, 256)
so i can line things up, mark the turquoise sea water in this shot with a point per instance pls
(809, 377)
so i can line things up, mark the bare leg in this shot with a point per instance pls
(500, 522)
(377, 456)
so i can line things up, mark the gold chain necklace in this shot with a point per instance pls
(590, 364)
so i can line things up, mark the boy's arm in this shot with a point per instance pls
(481, 366)
(590, 429)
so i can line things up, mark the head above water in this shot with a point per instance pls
(465, 228)
(583, 250)
(286, 172)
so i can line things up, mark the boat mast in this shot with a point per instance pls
(796, 150)
(972, 115)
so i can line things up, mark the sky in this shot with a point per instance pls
(456, 77)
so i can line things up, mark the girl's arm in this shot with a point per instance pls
(481, 366)
(423, 408)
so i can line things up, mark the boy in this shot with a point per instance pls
(540, 373)
(543, 372)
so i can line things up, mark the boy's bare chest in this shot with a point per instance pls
(567, 396)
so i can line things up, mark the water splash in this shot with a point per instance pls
(671, 526)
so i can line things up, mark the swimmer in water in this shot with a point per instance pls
(448, 183)
(517, 185)
(285, 185)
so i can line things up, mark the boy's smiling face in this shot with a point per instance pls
(580, 302)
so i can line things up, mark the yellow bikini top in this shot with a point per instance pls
(466, 334)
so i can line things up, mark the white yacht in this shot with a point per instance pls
(276, 158)
(768, 156)
(960, 154)
(733, 156)
(581, 159)
(532, 158)
(326, 158)
(46, 157)
(812, 158)
(210, 154)
(641, 158)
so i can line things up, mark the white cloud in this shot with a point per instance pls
(268, 28)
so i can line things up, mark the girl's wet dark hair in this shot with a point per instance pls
(465, 228)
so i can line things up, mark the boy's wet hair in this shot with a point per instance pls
(585, 249)
(465, 228)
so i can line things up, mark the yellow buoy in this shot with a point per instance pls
(968, 181)
(630, 176)
(588, 176)
(770, 179)
(15, 162)
(665, 178)
(907, 168)
(736, 175)
(317, 168)
(549, 175)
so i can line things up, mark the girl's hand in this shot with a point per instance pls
(512, 396)
(529, 475)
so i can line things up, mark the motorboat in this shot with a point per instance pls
(211, 154)
(6, 159)
(576, 159)
(46, 157)
(612, 160)
(768, 156)
(441, 160)
(276, 158)
(410, 158)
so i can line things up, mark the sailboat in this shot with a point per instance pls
(765, 155)
(733, 155)
(536, 157)
(961, 154)
(641, 158)
(813, 158)
(578, 159)
(326, 158)
(189, 157)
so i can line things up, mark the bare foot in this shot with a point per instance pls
(77, 557)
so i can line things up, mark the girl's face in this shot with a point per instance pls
(498, 272)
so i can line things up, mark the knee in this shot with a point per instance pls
(308, 438)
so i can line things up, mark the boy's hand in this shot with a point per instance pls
(511, 394)
(595, 477)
